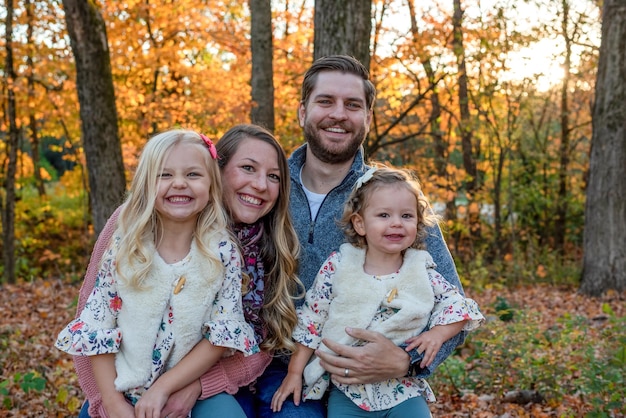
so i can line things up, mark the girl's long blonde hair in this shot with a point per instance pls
(384, 176)
(279, 244)
(139, 223)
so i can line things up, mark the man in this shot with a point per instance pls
(335, 112)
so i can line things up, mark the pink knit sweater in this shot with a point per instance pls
(228, 375)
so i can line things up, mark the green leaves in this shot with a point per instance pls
(561, 345)
(503, 309)
(30, 381)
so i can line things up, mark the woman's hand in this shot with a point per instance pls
(182, 401)
(118, 407)
(152, 402)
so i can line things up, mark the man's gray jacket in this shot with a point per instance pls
(321, 236)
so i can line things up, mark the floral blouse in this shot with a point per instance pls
(96, 330)
(450, 307)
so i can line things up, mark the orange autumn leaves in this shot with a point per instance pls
(38, 380)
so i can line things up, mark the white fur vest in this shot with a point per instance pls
(143, 310)
(357, 297)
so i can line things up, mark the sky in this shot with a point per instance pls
(543, 60)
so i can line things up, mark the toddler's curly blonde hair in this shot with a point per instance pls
(382, 176)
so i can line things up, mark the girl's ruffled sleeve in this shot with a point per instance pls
(95, 330)
(451, 306)
(314, 311)
(227, 326)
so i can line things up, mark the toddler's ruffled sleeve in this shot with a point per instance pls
(451, 306)
(313, 313)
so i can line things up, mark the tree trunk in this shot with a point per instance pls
(440, 146)
(466, 132)
(8, 205)
(98, 113)
(32, 119)
(469, 154)
(262, 69)
(560, 221)
(343, 27)
(604, 260)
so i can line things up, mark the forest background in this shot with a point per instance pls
(490, 102)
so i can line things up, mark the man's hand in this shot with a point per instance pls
(180, 403)
(379, 359)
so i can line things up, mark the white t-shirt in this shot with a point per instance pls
(315, 199)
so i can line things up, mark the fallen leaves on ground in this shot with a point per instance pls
(39, 381)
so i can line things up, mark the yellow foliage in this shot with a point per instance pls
(62, 396)
(74, 404)
(188, 64)
(25, 165)
(72, 182)
(45, 175)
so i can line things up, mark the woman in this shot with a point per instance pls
(256, 189)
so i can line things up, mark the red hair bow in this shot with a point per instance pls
(210, 146)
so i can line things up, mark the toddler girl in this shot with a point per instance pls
(380, 280)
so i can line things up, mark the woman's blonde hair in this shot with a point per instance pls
(279, 244)
(382, 176)
(139, 223)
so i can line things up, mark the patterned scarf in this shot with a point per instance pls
(249, 236)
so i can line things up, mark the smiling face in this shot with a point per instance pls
(389, 220)
(184, 184)
(335, 118)
(251, 181)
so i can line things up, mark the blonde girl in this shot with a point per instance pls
(167, 301)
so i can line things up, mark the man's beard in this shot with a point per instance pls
(335, 156)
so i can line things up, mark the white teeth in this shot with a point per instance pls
(336, 130)
(177, 199)
(250, 199)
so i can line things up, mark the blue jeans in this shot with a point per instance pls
(84, 411)
(340, 406)
(258, 403)
(221, 405)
